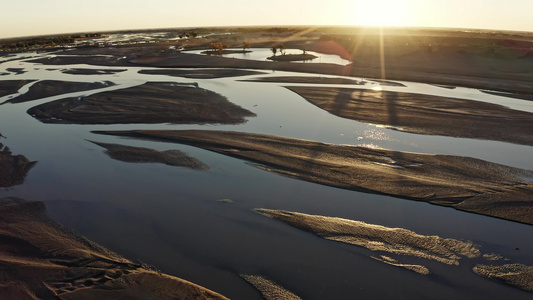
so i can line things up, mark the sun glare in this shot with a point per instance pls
(380, 13)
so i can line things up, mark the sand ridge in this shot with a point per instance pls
(396, 241)
(400, 241)
(144, 155)
(464, 183)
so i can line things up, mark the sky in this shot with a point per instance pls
(38, 17)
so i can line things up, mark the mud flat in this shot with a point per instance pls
(40, 259)
(424, 114)
(144, 155)
(152, 102)
(202, 74)
(48, 88)
(464, 183)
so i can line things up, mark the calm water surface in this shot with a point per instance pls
(171, 217)
(263, 53)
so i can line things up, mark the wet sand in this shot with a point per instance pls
(269, 289)
(48, 88)
(144, 155)
(8, 87)
(467, 184)
(396, 241)
(92, 71)
(500, 61)
(510, 95)
(303, 79)
(292, 57)
(424, 114)
(13, 168)
(153, 102)
(517, 275)
(202, 74)
(402, 242)
(40, 259)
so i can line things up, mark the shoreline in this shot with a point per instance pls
(464, 183)
(43, 260)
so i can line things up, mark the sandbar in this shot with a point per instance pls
(8, 87)
(48, 88)
(424, 114)
(269, 289)
(152, 102)
(518, 275)
(144, 155)
(201, 74)
(307, 79)
(397, 241)
(92, 71)
(292, 57)
(40, 259)
(465, 183)
(13, 168)
(403, 242)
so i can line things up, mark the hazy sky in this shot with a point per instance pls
(35, 17)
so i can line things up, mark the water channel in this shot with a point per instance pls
(172, 218)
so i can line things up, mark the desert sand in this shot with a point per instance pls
(43, 260)
(464, 183)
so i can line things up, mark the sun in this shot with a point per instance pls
(379, 13)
